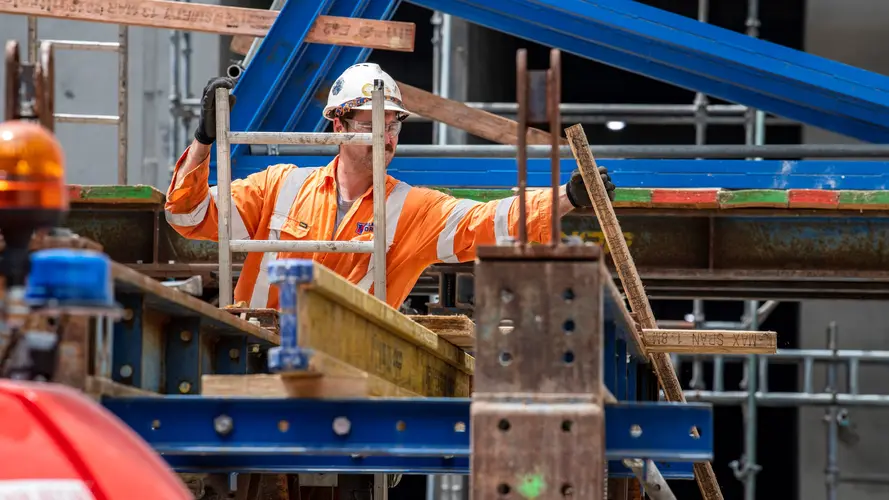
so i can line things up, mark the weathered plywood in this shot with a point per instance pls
(457, 329)
(334, 379)
(219, 19)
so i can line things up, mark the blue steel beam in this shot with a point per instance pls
(300, 73)
(424, 435)
(728, 174)
(697, 56)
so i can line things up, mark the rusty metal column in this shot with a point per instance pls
(537, 415)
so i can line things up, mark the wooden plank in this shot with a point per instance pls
(97, 387)
(165, 299)
(710, 341)
(334, 379)
(457, 329)
(480, 123)
(222, 20)
(864, 200)
(632, 284)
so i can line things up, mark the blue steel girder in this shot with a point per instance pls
(300, 73)
(697, 56)
(423, 435)
(500, 173)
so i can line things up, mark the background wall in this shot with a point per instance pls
(853, 32)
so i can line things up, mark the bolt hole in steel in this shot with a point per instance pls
(568, 326)
(506, 296)
(567, 490)
(635, 430)
(568, 357)
(568, 295)
(460, 427)
(567, 425)
(505, 358)
(503, 489)
(283, 425)
(506, 326)
(400, 426)
(503, 425)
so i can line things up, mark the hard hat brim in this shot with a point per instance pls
(403, 114)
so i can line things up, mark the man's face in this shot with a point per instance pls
(362, 156)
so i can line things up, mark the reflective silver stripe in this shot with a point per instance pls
(447, 237)
(259, 299)
(287, 195)
(394, 206)
(501, 219)
(191, 219)
(239, 229)
(283, 204)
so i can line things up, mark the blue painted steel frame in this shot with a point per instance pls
(696, 56)
(284, 87)
(728, 174)
(423, 435)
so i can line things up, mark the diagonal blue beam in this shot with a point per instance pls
(697, 56)
(272, 67)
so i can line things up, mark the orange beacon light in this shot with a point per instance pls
(32, 191)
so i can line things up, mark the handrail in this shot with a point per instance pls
(225, 138)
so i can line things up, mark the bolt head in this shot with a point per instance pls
(184, 387)
(341, 426)
(223, 424)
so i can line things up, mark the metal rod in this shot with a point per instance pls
(92, 119)
(378, 124)
(521, 148)
(301, 246)
(588, 119)
(554, 94)
(88, 46)
(820, 355)
(750, 466)
(224, 196)
(783, 399)
(832, 470)
(123, 86)
(175, 134)
(435, 21)
(620, 109)
(445, 75)
(650, 478)
(301, 138)
(726, 151)
(33, 44)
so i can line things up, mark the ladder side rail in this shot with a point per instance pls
(225, 138)
(122, 49)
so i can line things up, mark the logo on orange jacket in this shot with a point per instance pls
(364, 227)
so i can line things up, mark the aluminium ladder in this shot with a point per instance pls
(122, 48)
(225, 138)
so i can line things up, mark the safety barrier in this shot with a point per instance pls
(225, 138)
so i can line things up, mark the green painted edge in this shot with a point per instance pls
(482, 195)
(754, 197)
(632, 195)
(139, 193)
(864, 198)
(621, 195)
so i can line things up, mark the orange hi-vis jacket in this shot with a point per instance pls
(286, 202)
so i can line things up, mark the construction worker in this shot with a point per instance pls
(335, 202)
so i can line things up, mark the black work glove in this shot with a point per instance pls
(206, 131)
(576, 189)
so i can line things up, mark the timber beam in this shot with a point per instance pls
(219, 19)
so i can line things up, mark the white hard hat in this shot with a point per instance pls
(352, 91)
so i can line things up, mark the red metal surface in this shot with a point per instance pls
(53, 432)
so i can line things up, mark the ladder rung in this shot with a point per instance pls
(302, 246)
(97, 119)
(85, 45)
(303, 138)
